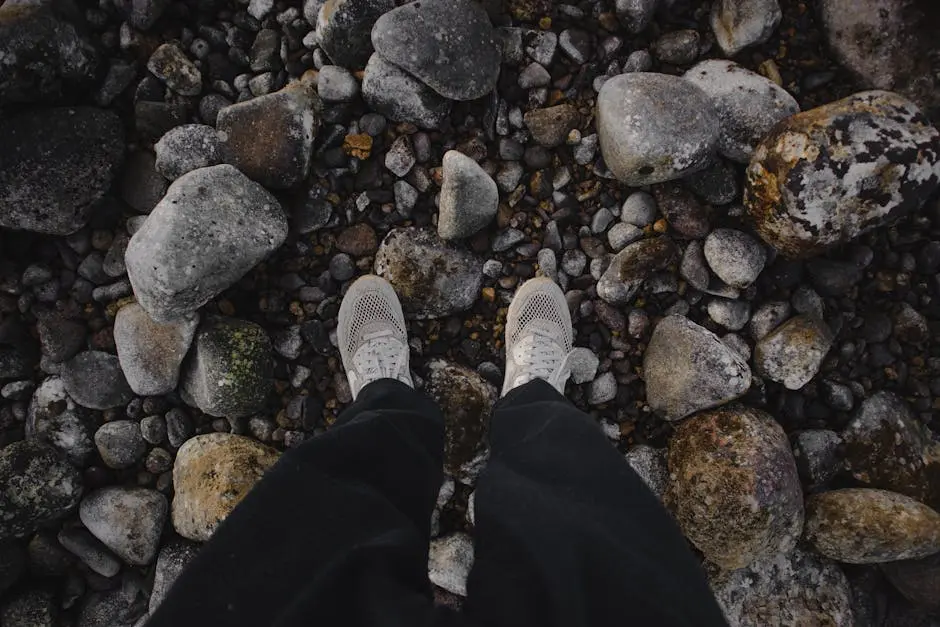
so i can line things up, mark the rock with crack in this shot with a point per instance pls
(344, 29)
(632, 266)
(401, 97)
(738, 24)
(37, 487)
(151, 353)
(469, 197)
(792, 353)
(129, 521)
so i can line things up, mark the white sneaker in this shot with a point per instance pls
(539, 337)
(373, 340)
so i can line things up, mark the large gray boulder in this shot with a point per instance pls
(469, 198)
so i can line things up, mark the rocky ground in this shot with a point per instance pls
(188, 187)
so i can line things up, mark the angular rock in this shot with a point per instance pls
(734, 488)
(173, 559)
(449, 562)
(57, 420)
(650, 464)
(432, 278)
(270, 138)
(918, 580)
(738, 24)
(632, 266)
(824, 176)
(55, 165)
(735, 257)
(230, 369)
(793, 352)
(748, 105)
(151, 353)
(129, 521)
(655, 128)
(401, 97)
(95, 380)
(688, 369)
(37, 487)
(469, 197)
(817, 455)
(187, 148)
(866, 526)
(344, 29)
(120, 443)
(173, 67)
(235, 223)
(550, 127)
(449, 45)
(212, 474)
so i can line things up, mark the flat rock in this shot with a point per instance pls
(54, 418)
(173, 67)
(734, 488)
(150, 353)
(432, 278)
(344, 29)
(738, 24)
(734, 256)
(449, 45)
(212, 474)
(55, 165)
(632, 266)
(95, 380)
(688, 369)
(129, 521)
(550, 126)
(37, 487)
(399, 96)
(187, 148)
(449, 562)
(824, 176)
(120, 443)
(173, 559)
(655, 128)
(469, 197)
(235, 222)
(748, 105)
(867, 526)
(792, 353)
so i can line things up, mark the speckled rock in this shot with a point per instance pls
(867, 526)
(29, 608)
(734, 256)
(37, 487)
(824, 176)
(95, 380)
(636, 15)
(792, 353)
(117, 607)
(173, 558)
(212, 474)
(187, 148)
(54, 418)
(918, 580)
(738, 24)
(230, 368)
(399, 96)
(173, 67)
(734, 488)
(129, 521)
(655, 128)
(432, 278)
(688, 369)
(344, 29)
(632, 266)
(120, 443)
(469, 197)
(650, 464)
(748, 105)
(449, 562)
(151, 353)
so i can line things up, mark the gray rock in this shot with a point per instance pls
(636, 15)
(142, 187)
(151, 353)
(30, 608)
(825, 189)
(342, 267)
(688, 369)
(622, 234)
(312, 11)
(550, 127)
(432, 278)
(586, 149)
(817, 455)
(120, 443)
(469, 197)
(143, 14)
(336, 84)
(806, 301)
(449, 562)
(632, 266)
(94, 379)
(583, 364)
(716, 184)
(449, 45)
(693, 267)
(170, 65)
(576, 44)
(153, 429)
(37, 488)
(793, 352)
(638, 61)
(601, 219)
(603, 389)
(910, 325)
(187, 148)
(738, 24)
(55, 419)
(173, 559)
(406, 197)
(400, 97)
(264, 55)
(230, 370)
(112, 608)
(344, 29)
(748, 105)
(650, 464)
(639, 209)
(918, 580)
(833, 278)
(541, 47)
(731, 314)
(836, 395)
(235, 222)
(55, 165)
(129, 521)
(678, 47)
(400, 157)
(655, 128)
(735, 257)
(768, 317)
(534, 75)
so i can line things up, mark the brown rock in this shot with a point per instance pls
(686, 215)
(632, 266)
(358, 240)
(550, 127)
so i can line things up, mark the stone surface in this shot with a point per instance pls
(401, 97)
(824, 176)
(30, 608)
(734, 488)
(212, 474)
(37, 487)
(129, 521)
(151, 353)
(687, 217)
(449, 562)
(55, 165)
(173, 559)
(235, 222)
(632, 266)
(142, 187)
(734, 256)
(55, 419)
(655, 128)
(111, 608)
(792, 353)
(95, 380)
(120, 443)
(344, 29)
(738, 24)
(688, 369)
(469, 197)
(817, 455)
(187, 148)
(918, 580)
(550, 126)
(636, 15)
(173, 67)
(650, 464)
(449, 45)
(336, 84)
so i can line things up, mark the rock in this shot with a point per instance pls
(734, 488)
(45, 57)
(639, 209)
(534, 75)
(449, 45)
(833, 278)
(735, 257)
(56, 164)
(142, 187)
(55, 419)
(731, 314)
(60, 338)
(151, 353)
(270, 138)
(94, 379)
(143, 14)
(469, 197)
(655, 128)
(344, 29)
(622, 235)
(37, 488)
(187, 148)
(636, 15)
(650, 464)
(173, 559)
(583, 364)
(550, 127)
(400, 97)
(910, 325)
(918, 580)
(129, 521)
(632, 266)
(768, 317)
(449, 562)
(336, 84)
(212, 474)
(120, 443)
(688, 369)
(112, 608)
(817, 455)
(716, 184)
(738, 24)
(230, 368)
(686, 215)
(432, 278)
(358, 240)
(30, 608)
(748, 105)
(235, 222)
(678, 47)
(170, 65)
(794, 588)
(400, 157)
(865, 526)
(810, 187)
(793, 352)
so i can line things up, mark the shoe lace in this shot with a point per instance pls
(539, 356)
(381, 357)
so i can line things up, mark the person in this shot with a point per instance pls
(337, 533)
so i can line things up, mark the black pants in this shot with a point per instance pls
(337, 533)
